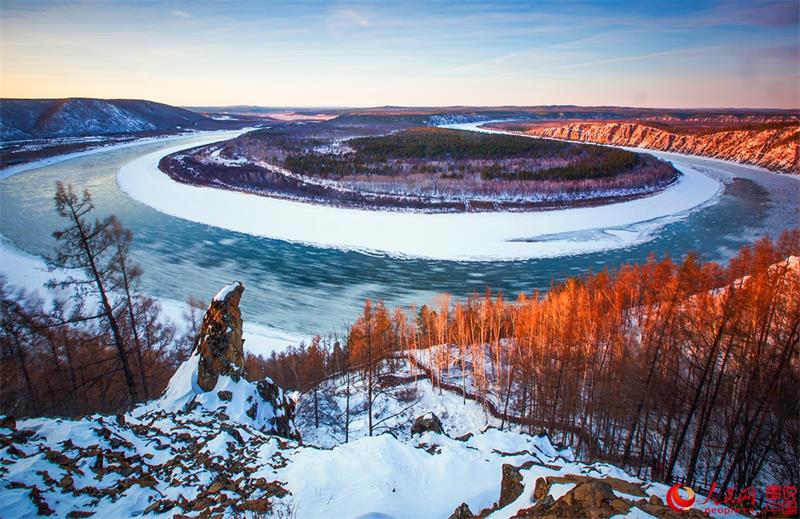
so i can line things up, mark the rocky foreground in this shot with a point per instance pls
(217, 445)
(777, 149)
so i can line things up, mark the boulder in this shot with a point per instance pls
(220, 344)
(511, 486)
(536, 510)
(427, 422)
(591, 499)
(541, 489)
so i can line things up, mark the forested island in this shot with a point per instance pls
(394, 163)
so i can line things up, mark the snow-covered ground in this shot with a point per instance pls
(29, 272)
(458, 236)
(193, 452)
(394, 408)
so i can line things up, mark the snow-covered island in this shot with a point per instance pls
(387, 163)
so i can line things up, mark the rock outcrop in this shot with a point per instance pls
(213, 378)
(511, 486)
(220, 343)
(777, 149)
(427, 423)
(462, 512)
(282, 421)
(594, 498)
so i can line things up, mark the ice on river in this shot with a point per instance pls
(452, 236)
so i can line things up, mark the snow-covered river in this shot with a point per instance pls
(301, 288)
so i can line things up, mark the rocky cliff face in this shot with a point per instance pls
(775, 148)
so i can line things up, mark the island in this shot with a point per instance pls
(399, 163)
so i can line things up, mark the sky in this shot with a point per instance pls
(430, 53)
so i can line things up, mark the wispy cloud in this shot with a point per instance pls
(358, 52)
(347, 18)
(611, 60)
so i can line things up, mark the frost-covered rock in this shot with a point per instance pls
(213, 378)
(220, 345)
(428, 422)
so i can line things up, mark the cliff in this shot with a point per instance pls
(772, 148)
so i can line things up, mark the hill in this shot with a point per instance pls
(217, 445)
(22, 119)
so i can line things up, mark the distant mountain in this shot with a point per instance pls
(73, 117)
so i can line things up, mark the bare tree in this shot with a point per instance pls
(87, 246)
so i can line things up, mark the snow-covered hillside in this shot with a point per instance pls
(40, 118)
(215, 444)
(198, 454)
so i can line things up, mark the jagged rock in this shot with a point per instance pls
(655, 500)
(616, 484)
(541, 489)
(462, 512)
(283, 420)
(593, 492)
(592, 499)
(220, 344)
(511, 486)
(427, 422)
(536, 510)
(219, 351)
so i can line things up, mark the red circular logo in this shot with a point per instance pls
(678, 503)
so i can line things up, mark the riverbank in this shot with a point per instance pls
(30, 273)
(93, 146)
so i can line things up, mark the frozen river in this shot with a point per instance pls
(302, 288)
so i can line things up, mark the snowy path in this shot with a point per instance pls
(457, 236)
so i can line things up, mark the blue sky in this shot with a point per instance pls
(671, 54)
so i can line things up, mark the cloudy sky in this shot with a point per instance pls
(634, 53)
